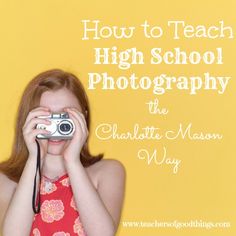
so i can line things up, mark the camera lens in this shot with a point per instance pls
(65, 127)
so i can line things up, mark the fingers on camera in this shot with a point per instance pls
(40, 111)
(33, 122)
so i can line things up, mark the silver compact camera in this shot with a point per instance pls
(61, 127)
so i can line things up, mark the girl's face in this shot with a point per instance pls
(56, 101)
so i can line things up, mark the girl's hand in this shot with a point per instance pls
(73, 148)
(29, 131)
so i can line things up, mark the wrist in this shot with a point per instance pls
(32, 158)
(71, 162)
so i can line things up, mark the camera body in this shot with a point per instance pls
(61, 127)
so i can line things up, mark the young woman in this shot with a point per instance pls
(80, 194)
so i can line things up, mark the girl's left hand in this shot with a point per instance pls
(73, 148)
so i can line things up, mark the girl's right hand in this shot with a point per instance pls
(30, 132)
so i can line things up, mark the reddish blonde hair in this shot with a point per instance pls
(49, 80)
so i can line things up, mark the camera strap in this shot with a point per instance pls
(35, 179)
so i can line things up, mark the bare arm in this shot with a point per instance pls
(7, 188)
(19, 215)
(99, 210)
(111, 187)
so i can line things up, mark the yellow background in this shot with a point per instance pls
(40, 35)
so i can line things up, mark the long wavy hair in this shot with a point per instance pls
(49, 80)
